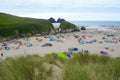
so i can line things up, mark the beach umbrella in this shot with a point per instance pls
(61, 55)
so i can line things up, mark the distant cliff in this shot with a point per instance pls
(65, 26)
(59, 20)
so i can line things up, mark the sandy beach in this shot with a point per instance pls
(95, 41)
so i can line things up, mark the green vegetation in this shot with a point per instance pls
(9, 19)
(67, 26)
(15, 26)
(24, 68)
(51, 67)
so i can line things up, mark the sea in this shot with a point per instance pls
(97, 23)
(100, 25)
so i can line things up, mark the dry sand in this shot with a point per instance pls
(68, 42)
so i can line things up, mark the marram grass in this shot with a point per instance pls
(79, 67)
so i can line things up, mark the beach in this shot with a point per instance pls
(92, 40)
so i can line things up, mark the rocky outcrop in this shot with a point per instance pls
(67, 27)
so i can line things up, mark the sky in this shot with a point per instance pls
(83, 10)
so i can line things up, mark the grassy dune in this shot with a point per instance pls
(51, 67)
(15, 26)
(9, 19)
(11, 25)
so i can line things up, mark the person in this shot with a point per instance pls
(1, 54)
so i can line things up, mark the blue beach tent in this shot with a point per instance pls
(29, 45)
(25, 39)
(81, 41)
(15, 42)
(52, 39)
(68, 55)
(7, 48)
(73, 49)
(92, 41)
(109, 41)
(4, 44)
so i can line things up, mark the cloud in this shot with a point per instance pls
(66, 3)
(70, 9)
(75, 16)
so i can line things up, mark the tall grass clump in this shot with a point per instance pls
(74, 71)
(91, 67)
(24, 68)
(53, 67)
(116, 68)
